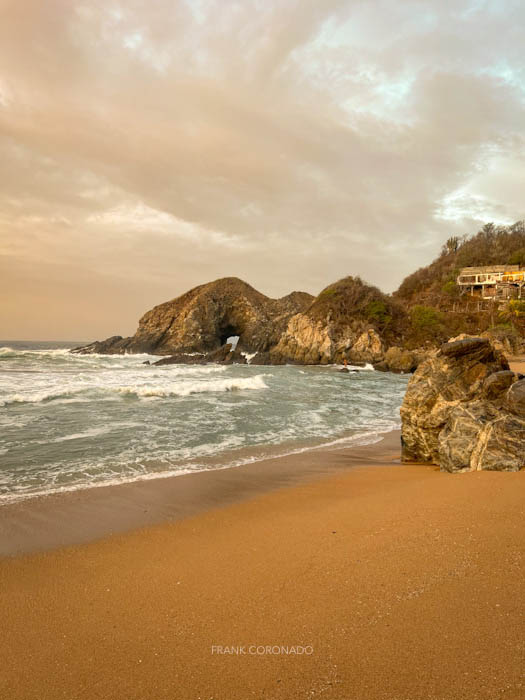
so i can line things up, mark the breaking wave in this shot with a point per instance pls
(181, 388)
(74, 421)
(196, 387)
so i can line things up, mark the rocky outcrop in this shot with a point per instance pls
(399, 361)
(225, 355)
(507, 340)
(348, 320)
(465, 410)
(204, 318)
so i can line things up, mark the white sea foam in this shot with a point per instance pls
(37, 397)
(92, 432)
(359, 439)
(186, 388)
(76, 421)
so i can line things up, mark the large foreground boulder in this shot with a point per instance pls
(465, 410)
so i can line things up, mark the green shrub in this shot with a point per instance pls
(327, 293)
(450, 288)
(425, 321)
(518, 257)
(377, 311)
(517, 307)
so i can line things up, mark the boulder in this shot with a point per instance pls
(495, 385)
(400, 361)
(465, 410)
(181, 359)
(515, 399)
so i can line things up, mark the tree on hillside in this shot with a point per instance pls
(492, 245)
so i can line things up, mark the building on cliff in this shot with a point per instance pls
(493, 282)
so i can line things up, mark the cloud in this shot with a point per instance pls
(148, 147)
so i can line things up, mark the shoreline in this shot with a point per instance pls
(404, 581)
(45, 522)
(273, 451)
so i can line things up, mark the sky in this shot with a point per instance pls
(148, 146)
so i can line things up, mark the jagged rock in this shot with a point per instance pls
(478, 436)
(348, 320)
(205, 317)
(453, 375)
(270, 358)
(367, 348)
(304, 341)
(116, 345)
(465, 410)
(460, 433)
(473, 346)
(224, 355)
(399, 361)
(495, 385)
(182, 359)
(515, 399)
(508, 340)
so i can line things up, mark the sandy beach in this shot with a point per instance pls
(517, 364)
(392, 582)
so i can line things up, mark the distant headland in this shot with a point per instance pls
(476, 285)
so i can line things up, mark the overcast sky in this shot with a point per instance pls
(147, 146)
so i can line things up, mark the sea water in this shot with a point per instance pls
(74, 421)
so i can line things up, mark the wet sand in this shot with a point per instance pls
(517, 364)
(76, 517)
(407, 584)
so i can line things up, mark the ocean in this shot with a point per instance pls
(75, 421)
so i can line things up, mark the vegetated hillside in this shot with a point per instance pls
(435, 284)
(349, 320)
(432, 296)
(352, 301)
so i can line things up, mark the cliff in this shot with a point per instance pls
(348, 319)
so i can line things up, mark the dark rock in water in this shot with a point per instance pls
(224, 355)
(344, 369)
(147, 362)
(181, 359)
(401, 361)
(463, 410)
(116, 345)
(270, 358)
